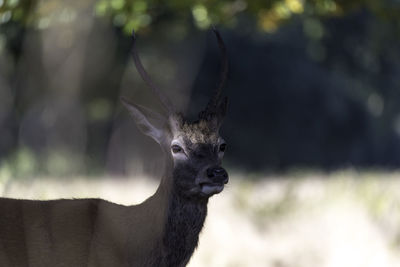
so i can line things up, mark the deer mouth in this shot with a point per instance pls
(213, 182)
(209, 189)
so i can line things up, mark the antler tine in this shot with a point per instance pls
(163, 98)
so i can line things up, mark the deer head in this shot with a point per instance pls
(194, 148)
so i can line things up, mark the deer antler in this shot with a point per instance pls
(216, 100)
(224, 65)
(163, 98)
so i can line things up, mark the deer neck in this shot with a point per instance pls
(183, 220)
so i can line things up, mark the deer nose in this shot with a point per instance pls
(217, 175)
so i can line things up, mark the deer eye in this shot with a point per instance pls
(222, 147)
(176, 149)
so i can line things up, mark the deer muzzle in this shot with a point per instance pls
(213, 183)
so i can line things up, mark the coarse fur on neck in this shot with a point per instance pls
(185, 219)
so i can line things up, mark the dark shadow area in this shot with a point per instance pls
(326, 104)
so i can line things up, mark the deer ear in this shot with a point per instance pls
(149, 122)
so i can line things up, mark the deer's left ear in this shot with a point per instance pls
(149, 122)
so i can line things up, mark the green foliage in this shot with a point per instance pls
(141, 14)
(21, 164)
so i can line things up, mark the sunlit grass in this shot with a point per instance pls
(300, 219)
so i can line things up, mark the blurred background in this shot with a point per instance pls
(313, 127)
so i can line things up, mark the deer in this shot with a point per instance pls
(163, 230)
